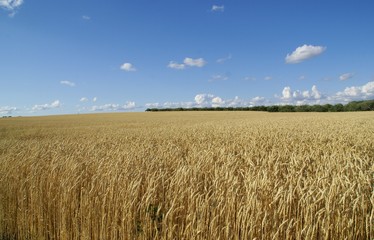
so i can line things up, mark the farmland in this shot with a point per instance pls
(188, 175)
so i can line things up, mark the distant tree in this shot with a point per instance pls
(337, 108)
(286, 108)
(367, 105)
(318, 108)
(273, 108)
(328, 107)
(303, 108)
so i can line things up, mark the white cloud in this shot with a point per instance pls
(7, 110)
(114, 107)
(178, 66)
(198, 62)
(355, 93)
(55, 104)
(346, 76)
(258, 100)
(288, 96)
(217, 102)
(83, 99)
(152, 105)
(286, 93)
(85, 17)
(11, 5)
(222, 60)
(68, 83)
(298, 97)
(218, 77)
(187, 62)
(128, 67)
(94, 99)
(303, 53)
(203, 99)
(178, 104)
(302, 77)
(216, 8)
(210, 100)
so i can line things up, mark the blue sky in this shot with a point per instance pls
(60, 57)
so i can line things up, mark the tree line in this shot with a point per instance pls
(366, 105)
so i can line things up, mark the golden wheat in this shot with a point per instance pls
(188, 175)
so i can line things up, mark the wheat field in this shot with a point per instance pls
(188, 175)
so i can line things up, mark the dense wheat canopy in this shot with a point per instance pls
(188, 175)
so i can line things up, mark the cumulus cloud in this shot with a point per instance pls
(210, 100)
(187, 62)
(217, 8)
(204, 99)
(94, 99)
(352, 93)
(346, 76)
(128, 67)
(67, 83)
(7, 110)
(47, 106)
(288, 96)
(298, 97)
(303, 53)
(11, 5)
(83, 99)
(114, 107)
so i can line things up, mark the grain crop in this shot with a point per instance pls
(188, 175)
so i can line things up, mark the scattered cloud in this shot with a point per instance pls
(198, 62)
(94, 99)
(303, 53)
(187, 62)
(302, 77)
(222, 60)
(219, 77)
(85, 17)
(152, 105)
(363, 92)
(128, 67)
(11, 6)
(67, 83)
(55, 104)
(174, 65)
(314, 96)
(301, 97)
(83, 99)
(210, 100)
(207, 100)
(346, 76)
(268, 78)
(217, 8)
(114, 107)
(7, 110)
(288, 96)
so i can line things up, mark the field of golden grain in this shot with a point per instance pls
(188, 175)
